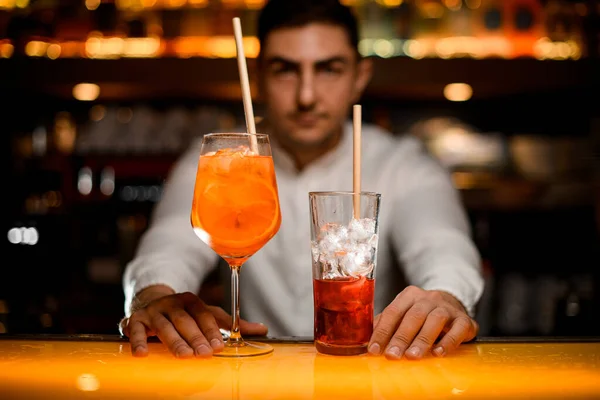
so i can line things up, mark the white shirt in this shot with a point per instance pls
(422, 227)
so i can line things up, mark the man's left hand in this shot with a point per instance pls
(413, 322)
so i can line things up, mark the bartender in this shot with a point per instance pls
(310, 74)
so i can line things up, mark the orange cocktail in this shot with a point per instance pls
(235, 208)
(235, 211)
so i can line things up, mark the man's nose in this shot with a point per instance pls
(306, 91)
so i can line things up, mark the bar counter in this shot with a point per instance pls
(101, 367)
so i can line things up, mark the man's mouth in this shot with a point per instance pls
(306, 120)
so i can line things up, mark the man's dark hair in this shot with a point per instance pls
(278, 14)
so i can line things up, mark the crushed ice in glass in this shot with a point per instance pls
(239, 151)
(346, 250)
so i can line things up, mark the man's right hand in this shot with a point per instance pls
(183, 322)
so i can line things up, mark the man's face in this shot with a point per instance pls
(310, 77)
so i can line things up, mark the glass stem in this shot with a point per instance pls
(235, 338)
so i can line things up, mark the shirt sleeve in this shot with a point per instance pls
(432, 234)
(169, 252)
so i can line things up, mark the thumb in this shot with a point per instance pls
(253, 328)
(246, 328)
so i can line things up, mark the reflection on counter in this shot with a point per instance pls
(474, 371)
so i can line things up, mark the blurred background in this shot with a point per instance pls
(99, 97)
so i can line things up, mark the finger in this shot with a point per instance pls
(167, 334)
(433, 326)
(124, 327)
(475, 330)
(247, 328)
(410, 325)
(461, 329)
(376, 321)
(223, 319)
(253, 328)
(388, 322)
(190, 331)
(207, 323)
(138, 338)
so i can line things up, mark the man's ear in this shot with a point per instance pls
(363, 77)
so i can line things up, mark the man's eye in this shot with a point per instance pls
(332, 70)
(282, 70)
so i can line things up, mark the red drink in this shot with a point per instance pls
(343, 315)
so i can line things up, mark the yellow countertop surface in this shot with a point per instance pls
(102, 369)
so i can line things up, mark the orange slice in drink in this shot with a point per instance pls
(240, 214)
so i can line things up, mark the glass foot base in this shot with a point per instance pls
(245, 349)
